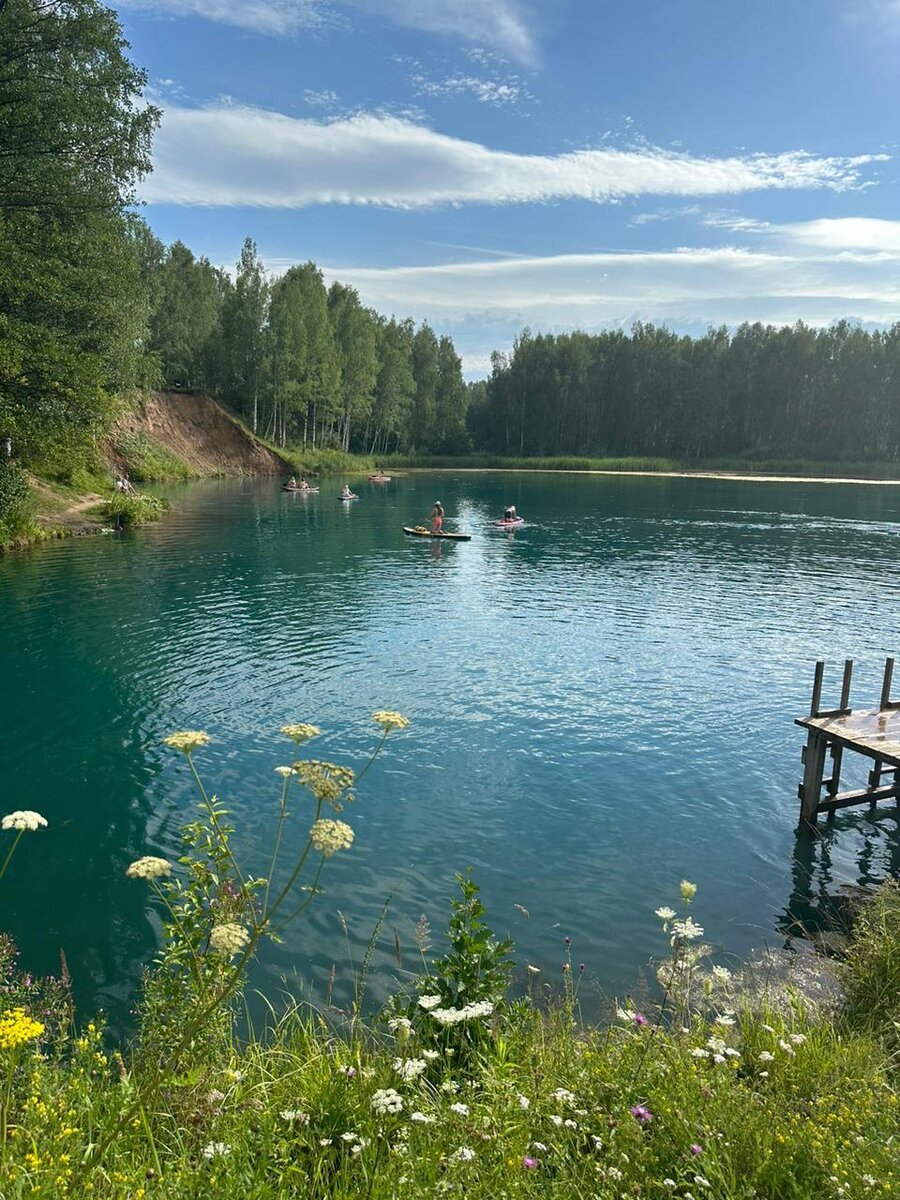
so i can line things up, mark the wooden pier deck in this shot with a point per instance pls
(873, 733)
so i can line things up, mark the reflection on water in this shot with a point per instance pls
(602, 704)
(836, 865)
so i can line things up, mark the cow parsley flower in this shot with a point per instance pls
(687, 930)
(330, 836)
(23, 819)
(187, 741)
(149, 867)
(300, 733)
(400, 1025)
(665, 913)
(460, 1108)
(463, 1154)
(229, 938)
(389, 720)
(429, 1002)
(387, 1100)
(409, 1068)
(215, 1150)
(422, 1118)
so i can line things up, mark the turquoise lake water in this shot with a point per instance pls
(601, 705)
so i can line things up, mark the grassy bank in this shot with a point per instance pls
(806, 468)
(458, 1086)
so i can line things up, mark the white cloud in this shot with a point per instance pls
(236, 155)
(503, 25)
(496, 24)
(840, 234)
(325, 99)
(499, 93)
(277, 18)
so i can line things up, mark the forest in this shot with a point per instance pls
(829, 394)
(94, 308)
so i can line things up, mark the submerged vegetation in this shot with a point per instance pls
(456, 1087)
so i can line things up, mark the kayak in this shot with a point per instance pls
(379, 479)
(421, 531)
(515, 523)
(286, 487)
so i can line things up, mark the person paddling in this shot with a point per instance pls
(437, 517)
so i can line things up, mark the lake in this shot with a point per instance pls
(600, 705)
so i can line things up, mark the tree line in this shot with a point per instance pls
(94, 306)
(299, 362)
(762, 391)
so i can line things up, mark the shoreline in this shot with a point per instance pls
(732, 475)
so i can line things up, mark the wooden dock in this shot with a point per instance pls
(873, 733)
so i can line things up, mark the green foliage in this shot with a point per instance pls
(75, 138)
(763, 392)
(146, 461)
(127, 512)
(871, 973)
(16, 501)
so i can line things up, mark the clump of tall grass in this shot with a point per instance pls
(128, 512)
(147, 461)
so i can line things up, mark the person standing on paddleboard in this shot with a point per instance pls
(437, 517)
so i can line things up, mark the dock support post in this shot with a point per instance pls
(813, 774)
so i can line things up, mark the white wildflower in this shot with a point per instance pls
(726, 1021)
(149, 867)
(699, 1052)
(716, 1045)
(450, 1086)
(422, 1118)
(330, 836)
(430, 1055)
(463, 1154)
(429, 1002)
(24, 818)
(730, 1052)
(387, 1100)
(569, 1123)
(766, 1056)
(564, 1096)
(294, 1114)
(669, 1182)
(524, 1102)
(718, 1058)
(409, 1068)
(325, 1141)
(787, 1047)
(687, 930)
(532, 970)
(459, 1107)
(400, 1024)
(187, 742)
(349, 1136)
(215, 1150)
(300, 733)
(389, 720)
(798, 1038)
(228, 938)
(665, 913)
(722, 974)
(555, 1119)
(284, 772)
(702, 1181)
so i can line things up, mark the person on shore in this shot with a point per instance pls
(437, 517)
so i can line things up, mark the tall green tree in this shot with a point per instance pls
(420, 433)
(356, 343)
(74, 140)
(244, 313)
(185, 327)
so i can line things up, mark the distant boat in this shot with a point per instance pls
(287, 487)
(379, 479)
(352, 496)
(509, 523)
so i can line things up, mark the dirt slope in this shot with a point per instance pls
(197, 430)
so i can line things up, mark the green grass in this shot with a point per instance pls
(739, 466)
(146, 461)
(701, 1094)
(312, 462)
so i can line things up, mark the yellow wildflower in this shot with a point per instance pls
(17, 1028)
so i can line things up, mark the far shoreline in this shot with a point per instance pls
(728, 475)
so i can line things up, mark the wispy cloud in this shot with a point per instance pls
(496, 24)
(235, 155)
(275, 18)
(499, 93)
(326, 99)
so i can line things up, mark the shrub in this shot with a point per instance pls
(127, 512)
(16, 503)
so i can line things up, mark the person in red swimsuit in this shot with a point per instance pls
(437, 517)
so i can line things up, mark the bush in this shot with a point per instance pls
(127, 512)
(16, 502)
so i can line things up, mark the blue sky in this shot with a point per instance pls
(487, 164)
